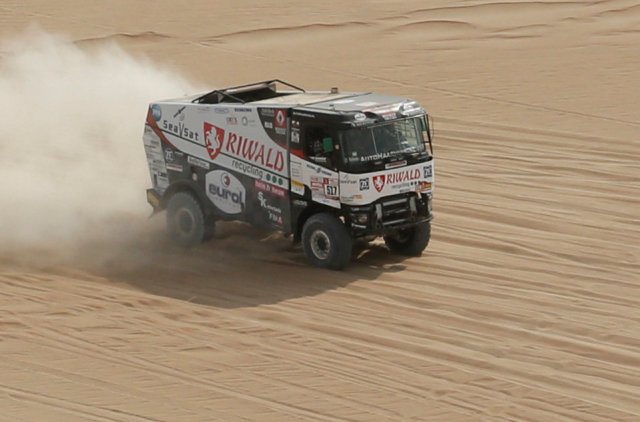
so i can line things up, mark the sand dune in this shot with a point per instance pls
(524, 307)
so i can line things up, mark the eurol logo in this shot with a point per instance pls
(213, 138)
(225, 191)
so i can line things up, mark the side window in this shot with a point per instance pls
(318, 145)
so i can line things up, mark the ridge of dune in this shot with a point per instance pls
(147, 36)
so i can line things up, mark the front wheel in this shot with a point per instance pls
(410, 241)
(326, 242)
(185, 220)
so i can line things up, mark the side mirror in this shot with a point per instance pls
(327, 144)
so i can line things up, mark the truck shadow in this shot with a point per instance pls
(240, 267)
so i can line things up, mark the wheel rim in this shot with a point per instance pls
(184, 221)
(320, 244)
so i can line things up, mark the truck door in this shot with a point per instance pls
(315, 162)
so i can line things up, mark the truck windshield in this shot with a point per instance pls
(385, 142)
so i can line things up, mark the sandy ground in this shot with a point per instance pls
(525, 306)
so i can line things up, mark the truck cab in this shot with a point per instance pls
(326, 167)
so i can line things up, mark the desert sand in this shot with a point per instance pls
(526, 305)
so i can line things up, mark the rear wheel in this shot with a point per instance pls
(209, 229)
(185, 220)
(326, 242)
(410, 241)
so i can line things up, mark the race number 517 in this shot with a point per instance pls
(331, 191)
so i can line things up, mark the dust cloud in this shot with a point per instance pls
(72, 163)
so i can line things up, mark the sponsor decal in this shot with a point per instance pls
(217, 140)
(424, 186)
(375, 157)
(428, 172)
(296, 170)
(268, 125)
(225, 191)
(242, 109)
(297, 187)
(346, 180)
(403, 176)
(276, 191)
(247, 169)
(151, 140)
(180, 130)
(179, 113)
(405, 180)
(317, 183)
(247, 121)
(156, 112)
(267, 112)
(168, 155)
(300, 202)
(359, 117)
(395, 164)
(221, 110)
(213, 137)
(318, 169)
(174, 167)
(276, 180)
(364, 184)
(378, 182)
(281, 118)
(298, 113)
(326, 186)
(274, 213)
(295, 136)
(232, 120)
(256, 172)
(198, 162)
(331, 191)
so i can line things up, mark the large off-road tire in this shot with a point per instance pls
(209, 229)
(326, 242)
(185, 220)
(410, 241)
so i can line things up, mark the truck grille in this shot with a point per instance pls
(390, 213)
(396, 211)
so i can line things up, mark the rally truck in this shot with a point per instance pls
(326, 168)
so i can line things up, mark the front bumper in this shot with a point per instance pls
(153, 198)
(389, 214)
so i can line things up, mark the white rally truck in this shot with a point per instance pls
(326, 167)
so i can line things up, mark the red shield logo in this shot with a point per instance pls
(378, 182)
(213, 137)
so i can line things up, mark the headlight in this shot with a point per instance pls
(360, 218)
